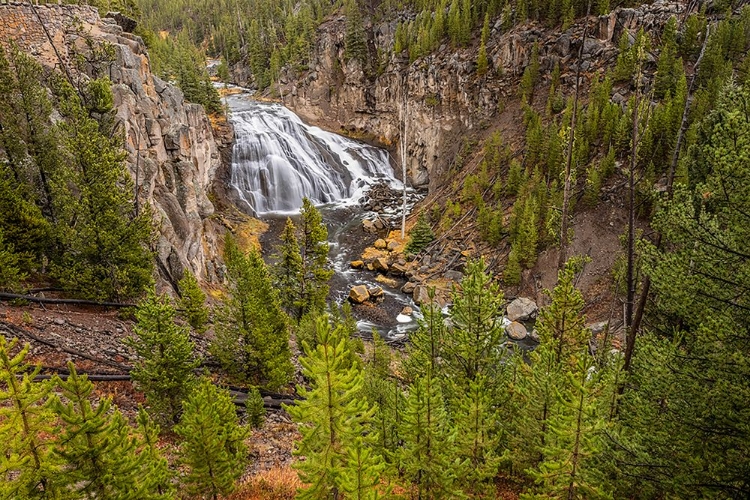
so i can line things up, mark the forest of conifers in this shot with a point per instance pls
(459, 412)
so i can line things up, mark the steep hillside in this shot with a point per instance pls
(171, 150)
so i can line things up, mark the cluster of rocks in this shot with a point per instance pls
(518, 312)
(387, 203)
(359, 294)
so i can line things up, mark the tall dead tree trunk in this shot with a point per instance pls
(569, 160)
(640, 309)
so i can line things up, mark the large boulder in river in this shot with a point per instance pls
(380, 264)
(408, 287)
(516, 331)
(359, 294)
(380, 244)
(522, 309)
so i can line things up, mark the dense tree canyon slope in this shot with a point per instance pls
(593, 156)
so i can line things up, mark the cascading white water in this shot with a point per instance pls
(277, 160)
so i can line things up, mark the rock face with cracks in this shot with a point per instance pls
(441, 97)
(172, 154)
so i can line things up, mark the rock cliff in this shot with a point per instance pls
(447, 99)
(172, 153)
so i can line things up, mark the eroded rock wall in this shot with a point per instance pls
(172, 153)
(441, 95)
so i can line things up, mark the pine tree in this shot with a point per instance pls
(106, 255)
(482, 62)
(355, 38)
(252, 335)
(314, 249)
(668, 65)
(10, 271)
(256, 412)
(574, 439)
(337, 438)
(193, 302)
(426, 455)
(420, 235)
(426, 344)
(472, 347)
(288, 272)
(562, 324)
(165, 369)
(157, 478)
(512, 271)
(212, 446)
(95, 444)
(477, 439)
(27, 466)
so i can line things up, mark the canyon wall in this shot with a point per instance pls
(447, 99)
(172, 154)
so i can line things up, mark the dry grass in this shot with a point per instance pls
(278, 483)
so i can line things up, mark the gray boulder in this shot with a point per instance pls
(522, 309)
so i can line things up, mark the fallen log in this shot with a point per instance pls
(78, 302)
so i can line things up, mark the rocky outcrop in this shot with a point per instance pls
(441, 95)
(172, 153)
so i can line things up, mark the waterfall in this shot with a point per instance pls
(277, 160)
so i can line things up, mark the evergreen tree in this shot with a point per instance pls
(106, 255)
(426, 344)
(427, 453)
(482, 62)
(699, 402)
(420, 235)
(27, 466)
(95, 444)
(668, 66)
(512, 271)
(561, 325)
(355, 39)
(10, 271)
(157, 478)
(477, 438)
(337, 438)
(165, 369)
(212, 445)
(472, 347)
(252, 335)
(193, 302)
(314, 249)
(574, 439)
(288, 272)
(256, 412)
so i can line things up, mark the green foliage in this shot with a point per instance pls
(512, 271)
(289, 272)
(420, 235)
(426, 455)
(10, 271)
(256, 412)
(574, 440)
(164, 372)
(701, 268)
(212, 446)
(337, 435)
(96, 445)
(317, 272)
(193, 302)
(471, 346)
(106, 253)
(355, 40)
(252, 332)
(482, 61)
(156, 473)
(64, 189)
(27, 465)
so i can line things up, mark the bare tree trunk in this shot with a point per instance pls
(638, 316)
(569, 160)
(404, 119)
(630, 279)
